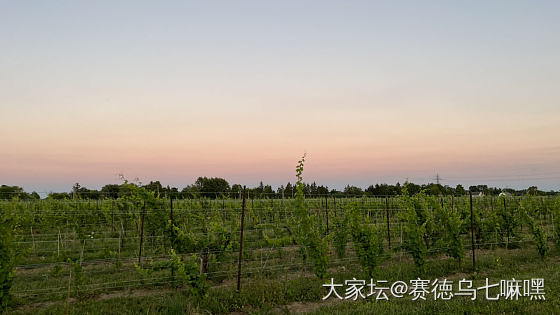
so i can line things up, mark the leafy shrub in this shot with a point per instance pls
(452, 236)
(368, 243)
(308, 230)
(214, 240)
(340, 235)
(187, 272)
(414, 234)
(557, 228)
(8, 252)
(539, 235)
(508, 220)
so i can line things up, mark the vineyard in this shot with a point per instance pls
(70, 250)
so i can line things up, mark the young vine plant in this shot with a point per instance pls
(308, 229)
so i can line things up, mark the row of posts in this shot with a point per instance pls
(243, 206)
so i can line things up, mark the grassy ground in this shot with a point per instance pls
(496, 266)
(301, 293)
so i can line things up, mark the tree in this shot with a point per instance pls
(268, 192)
(236, 190)
(191, 191)
(81, 192)
(383, 190)
(479, 189)
(110, 191)
(459, 190)
(323, 190)
(212, 187)
(10, 192)
(411, 189)
(434, 189)
(155, 187)
(352, 191)
(289, 191)
(533, 191)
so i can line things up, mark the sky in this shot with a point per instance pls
(372, 92)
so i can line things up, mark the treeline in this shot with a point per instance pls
(215, 187)
(10, 192)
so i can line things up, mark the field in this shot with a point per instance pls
(140, 254)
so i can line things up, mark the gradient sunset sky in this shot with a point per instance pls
(373, 92)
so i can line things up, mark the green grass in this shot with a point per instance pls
(262, 296)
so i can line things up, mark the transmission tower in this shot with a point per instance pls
(438, 179)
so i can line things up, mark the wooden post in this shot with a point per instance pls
(32, 238)
(388, 225)
(521, 220)
(120, 243)
(327, 212)
(518, 205)
(141, 235)
(401, 226)
(69, 286)
(241, 241)
(113, 215)
(505, 211)
(172, 220)
(472, 233)
(172, 237)
(82, 253)
(334, 202)
(452, 203)
(123, 235)
(552, 217)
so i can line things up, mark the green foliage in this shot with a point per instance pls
(278, 241)
(443, 226)
(557, 228)
(206, 229)
(340, 235)
(432, 220)
(56, 270)
(8, 252)
(212, 187)
(490, 228)
(77, 274)
(539, 235)
(187, 272)
(144, 272)
(308, 229)
(368, 242)
(16, 192)
(213, 241)
(414, 233)
(507, 219)
(452, 236)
